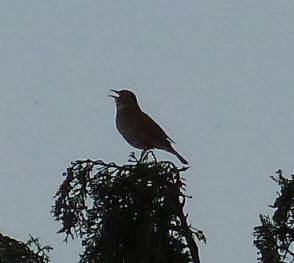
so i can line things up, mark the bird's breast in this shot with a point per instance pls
(127, 125)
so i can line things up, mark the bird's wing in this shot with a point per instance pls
(154, 129)
(170, 139)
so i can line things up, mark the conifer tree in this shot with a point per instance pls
(14, 251)
(274, 238)
(131, 213)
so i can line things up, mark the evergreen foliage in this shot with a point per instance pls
(131, 213)
(14, 251)
(275, 237)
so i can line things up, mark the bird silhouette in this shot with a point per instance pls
(137, 128)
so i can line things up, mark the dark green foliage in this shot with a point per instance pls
(275, 238)
(131, 213)
(267, 241)
(13, 251)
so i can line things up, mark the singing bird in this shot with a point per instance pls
(138, 129)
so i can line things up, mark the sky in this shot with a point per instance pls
(217, 76)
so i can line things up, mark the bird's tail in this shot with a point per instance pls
(180, 157)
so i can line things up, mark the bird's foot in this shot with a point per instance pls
(133, 158)
(145, 155)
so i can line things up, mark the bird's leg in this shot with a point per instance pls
(143, 153)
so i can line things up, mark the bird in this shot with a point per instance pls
(137, 128)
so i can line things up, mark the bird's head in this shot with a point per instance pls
(125, 98)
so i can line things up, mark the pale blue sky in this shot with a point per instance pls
(217, 75)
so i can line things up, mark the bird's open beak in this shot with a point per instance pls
(117, 92)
